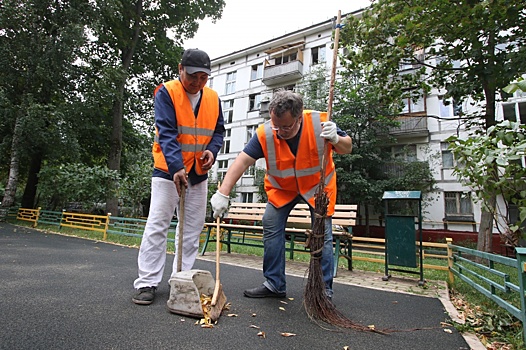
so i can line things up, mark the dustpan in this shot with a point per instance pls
(187, 287)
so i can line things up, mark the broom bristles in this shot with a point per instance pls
(317, 305)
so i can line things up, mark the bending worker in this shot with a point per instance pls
(189, 134)
(292, 143)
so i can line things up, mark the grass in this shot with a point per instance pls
(496, 328)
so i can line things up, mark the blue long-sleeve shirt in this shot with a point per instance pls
(166, 123)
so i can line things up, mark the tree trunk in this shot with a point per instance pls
(28, 198)
(114, 157)
(12, 182)
(485, 235)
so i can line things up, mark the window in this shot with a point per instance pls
(230, 87)
(318, 54)
(411, 106)
(448, 160)
(251, 131)
(225, 149)
(286, 58)
(405, 153)
(247, 197)
(211, 83)
(254, 102)
(251, 171)
(222, 168)
(515, 112)
(458, 206)
(257, 72)
(447, 106)
(228, 111)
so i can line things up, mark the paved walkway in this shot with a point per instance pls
(61, 292)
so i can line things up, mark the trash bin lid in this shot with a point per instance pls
(402, 195)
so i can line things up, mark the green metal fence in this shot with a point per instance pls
(487, 273)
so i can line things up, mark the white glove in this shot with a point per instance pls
(219, 203)
(329, 132)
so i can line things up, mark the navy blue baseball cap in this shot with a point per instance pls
(195, 60)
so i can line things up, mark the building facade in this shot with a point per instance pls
(245, 81)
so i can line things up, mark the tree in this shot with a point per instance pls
(472, 49)
(135, 46)
(39, 43)
(492, 167)
(369, 170)
(314, 88)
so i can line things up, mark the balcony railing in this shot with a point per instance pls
(282, 73)
(414, 125)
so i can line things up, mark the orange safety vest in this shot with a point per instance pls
(288, 175)
(194, 133)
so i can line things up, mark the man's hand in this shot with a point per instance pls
(180, 180)
(219, 204)
(329, 132)
(207, 160)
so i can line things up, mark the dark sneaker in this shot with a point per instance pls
(144, 296)
(263, 292)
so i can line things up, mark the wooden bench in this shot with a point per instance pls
(243, 226)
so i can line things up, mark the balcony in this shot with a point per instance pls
(282, 73)
(411, 125)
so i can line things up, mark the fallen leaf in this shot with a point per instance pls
(254, 315)
(182, 320)
(207, 326)
(291, 299)
(288, 334)
(232, 315)
(447, 330)
(282, 308)
(345, 347)
(371, 327)
(283, 302)
(254, 326)
(261, 334)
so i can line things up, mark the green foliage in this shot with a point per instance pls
(472, 49)
(59, 185)
(314, 89)
(368, 171)
(519, 85)
(491, 164)
(259, 181)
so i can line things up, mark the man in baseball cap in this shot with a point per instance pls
(195, 60)
(187, 113)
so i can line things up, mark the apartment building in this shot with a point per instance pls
(246, 79)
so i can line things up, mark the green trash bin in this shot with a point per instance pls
(403, 228)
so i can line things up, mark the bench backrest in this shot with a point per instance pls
(344, 214)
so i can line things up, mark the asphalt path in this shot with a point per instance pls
(60, 292)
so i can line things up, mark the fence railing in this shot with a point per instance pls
(106, 224)
(373, 250)
(487, 273)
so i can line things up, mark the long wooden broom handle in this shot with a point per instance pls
(218, 234)
(181, 227)
(331, 94)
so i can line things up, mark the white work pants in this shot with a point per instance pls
(164, 201)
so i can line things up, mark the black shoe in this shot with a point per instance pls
(263, 292)
(144, 296)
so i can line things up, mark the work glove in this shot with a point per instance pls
(328, 132)
(219, 204)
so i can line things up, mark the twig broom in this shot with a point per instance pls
(317, 305)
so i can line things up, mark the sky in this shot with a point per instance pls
(245, 23)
